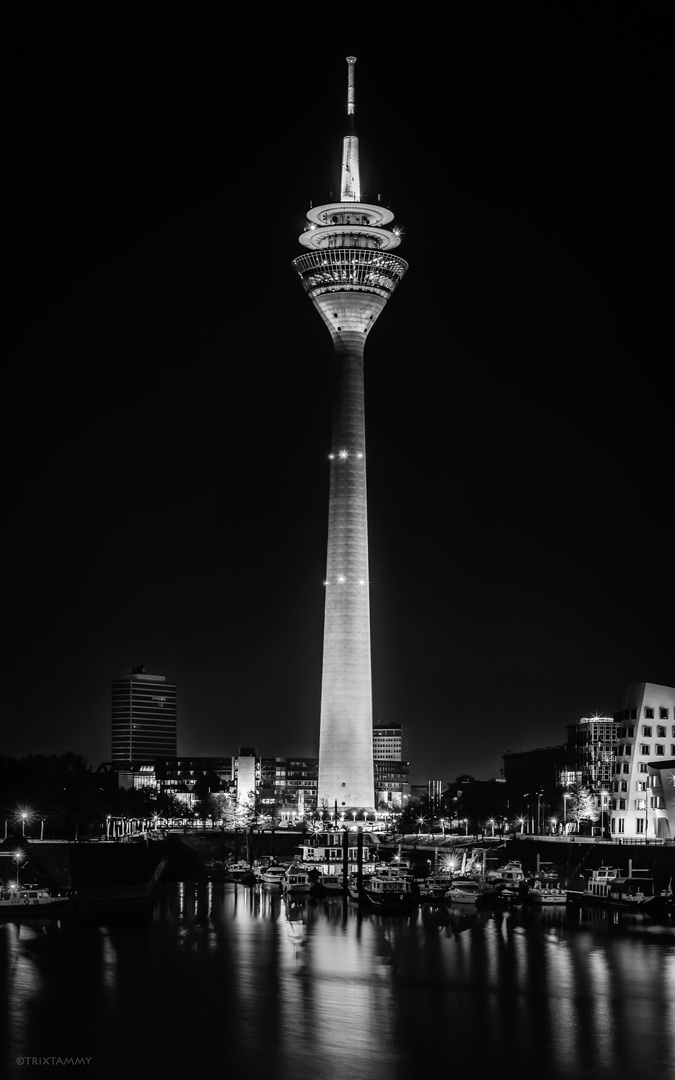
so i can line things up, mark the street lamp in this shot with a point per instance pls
(521, 822)
(603, 803)
(18, 856)
(492, 823)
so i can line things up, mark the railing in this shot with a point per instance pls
(347, 269)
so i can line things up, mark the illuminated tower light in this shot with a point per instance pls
(349, 272)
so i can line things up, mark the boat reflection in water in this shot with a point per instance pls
(252, 983)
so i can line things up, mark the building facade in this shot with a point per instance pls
(391, 767)
(642, 802)
(595, 741)
(349, 274)
(144, 718)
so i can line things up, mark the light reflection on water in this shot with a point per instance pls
(233, 978)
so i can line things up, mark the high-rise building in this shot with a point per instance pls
(349, 274)
(143, 718)
(595, 740)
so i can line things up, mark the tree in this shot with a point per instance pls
(581, 804)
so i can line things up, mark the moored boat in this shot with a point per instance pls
(31, 900)
(435, 886)
(609, 887)
(511, 872)
(464, 891)
(389, 895)
(239, 871)
(542, 892)
(327, 884)
(296, 880)
(273, 875)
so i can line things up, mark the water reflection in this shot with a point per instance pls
(231, 977)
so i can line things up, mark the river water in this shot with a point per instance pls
(233, 980)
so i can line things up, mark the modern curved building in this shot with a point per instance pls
(643, 789)
(349, 272)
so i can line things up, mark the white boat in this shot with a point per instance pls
(435, 886)
(22, 898)
(542, 892)
(464, 891)
(296, 880)
(512, 872)
(273, 876)
(239, 870)
(394, 872)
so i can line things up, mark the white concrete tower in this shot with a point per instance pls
(349, 274)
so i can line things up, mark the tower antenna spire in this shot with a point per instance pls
(351, 60)
(350, 181)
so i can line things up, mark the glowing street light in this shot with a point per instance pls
(23, 816)
(521, 822)
(492, 823)
(18, 856)
(566, 796)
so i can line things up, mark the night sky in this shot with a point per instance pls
(167, 383)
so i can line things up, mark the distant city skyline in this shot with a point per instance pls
(169, 391)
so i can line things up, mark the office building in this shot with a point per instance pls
(144, 718)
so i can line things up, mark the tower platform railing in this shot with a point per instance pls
(345, 269)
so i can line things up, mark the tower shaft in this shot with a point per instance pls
(345, 740)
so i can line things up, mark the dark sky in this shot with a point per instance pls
(167, 391)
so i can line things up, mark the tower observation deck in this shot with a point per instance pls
(349, 272)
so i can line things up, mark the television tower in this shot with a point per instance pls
(349, 273)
